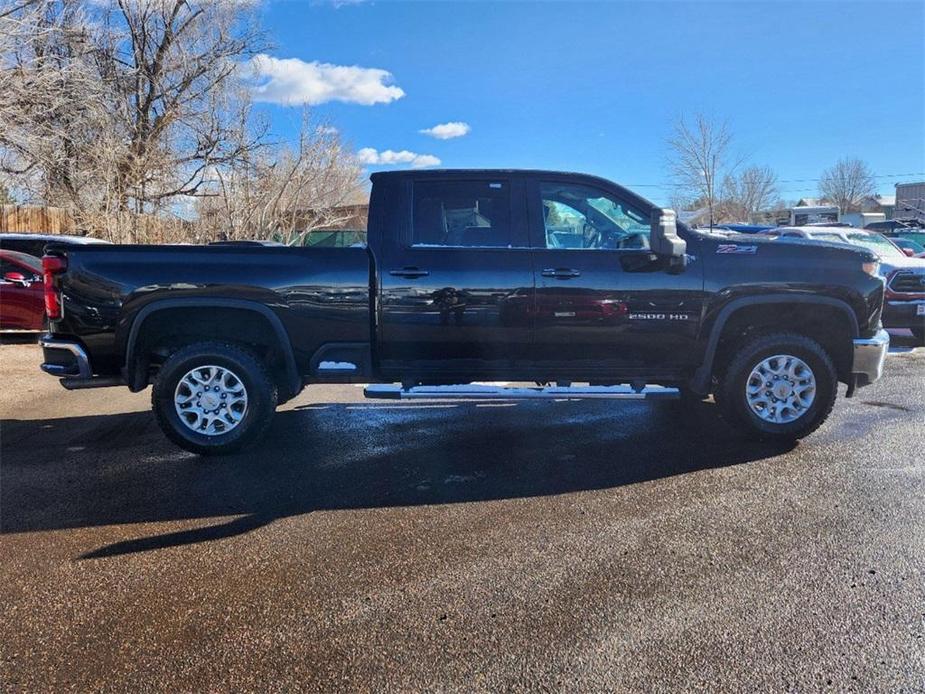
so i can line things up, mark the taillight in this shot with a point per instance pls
(51, 266)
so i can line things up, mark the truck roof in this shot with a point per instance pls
(531, 173)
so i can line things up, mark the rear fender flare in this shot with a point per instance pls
(137, 382)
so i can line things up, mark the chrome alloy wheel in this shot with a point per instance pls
(210, 400)
(780, 389)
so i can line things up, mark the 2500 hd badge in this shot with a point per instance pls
(659, 316)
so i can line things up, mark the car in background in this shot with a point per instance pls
(22, 302)
(330, 238)
(888, 226)
(909, 247)
(904, 300)
(34, 244)
(915, 235)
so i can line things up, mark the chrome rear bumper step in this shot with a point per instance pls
(486, 392)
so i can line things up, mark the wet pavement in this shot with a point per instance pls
(581, 546)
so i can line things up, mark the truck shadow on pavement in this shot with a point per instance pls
(118, 469)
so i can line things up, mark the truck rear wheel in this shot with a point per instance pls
(212, 398)
(779, 387)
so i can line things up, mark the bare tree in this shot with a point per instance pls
(281, 190)
(54, 128)
(121, 104)
(749, 191)
(700, 156)
(847, 183)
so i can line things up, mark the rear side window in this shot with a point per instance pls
(470, 214)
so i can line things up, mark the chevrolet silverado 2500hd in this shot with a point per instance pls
(477, 275)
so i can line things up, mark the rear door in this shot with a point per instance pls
(604, 303)
(456, 278)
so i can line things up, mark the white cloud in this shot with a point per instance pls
(447, 131)
(293, 81)
(370, 156)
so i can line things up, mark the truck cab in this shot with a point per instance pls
(527, 275)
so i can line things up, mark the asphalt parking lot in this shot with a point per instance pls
(583, 546)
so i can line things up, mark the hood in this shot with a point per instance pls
(826, 247)
(904, 263)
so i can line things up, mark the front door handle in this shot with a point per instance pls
(409, 272)
(561, 273)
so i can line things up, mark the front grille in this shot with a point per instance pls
(908, 282)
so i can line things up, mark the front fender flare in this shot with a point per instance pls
(700, 383)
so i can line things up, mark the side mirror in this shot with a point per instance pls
(908, 251)
(664, 239)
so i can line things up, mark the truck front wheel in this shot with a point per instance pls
(780, 386)
(212, 398)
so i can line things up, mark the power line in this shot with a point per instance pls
(666, 186)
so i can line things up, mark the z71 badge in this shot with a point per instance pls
(736, 248)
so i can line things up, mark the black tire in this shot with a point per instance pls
(245, 366)
(918, 334)
(731, 397)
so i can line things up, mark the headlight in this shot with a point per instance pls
(872, 268)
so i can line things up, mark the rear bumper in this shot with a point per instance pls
(64, 358)
(869, 355)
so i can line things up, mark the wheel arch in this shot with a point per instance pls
(815, 315)
(277, 340)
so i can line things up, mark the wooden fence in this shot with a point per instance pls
(122, 227)
(32, 219)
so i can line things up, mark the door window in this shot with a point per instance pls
(7, 266)
(584, 218)
(469, 214)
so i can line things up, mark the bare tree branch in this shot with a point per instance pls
(283, 190)
(115, 105)
(749, 191)
(847, 183)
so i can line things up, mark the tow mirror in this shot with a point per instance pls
(664, 239)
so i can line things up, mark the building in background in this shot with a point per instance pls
(910, 201)
(813, 214)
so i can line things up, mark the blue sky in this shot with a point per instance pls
(595, 87)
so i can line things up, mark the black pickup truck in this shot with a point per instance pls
(480, 275)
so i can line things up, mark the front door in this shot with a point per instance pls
(22, 304)
(604, 303)
(457, 286)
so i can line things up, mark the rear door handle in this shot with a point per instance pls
(561, 273)
(409, 272)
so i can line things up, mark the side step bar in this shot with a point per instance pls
(480, 392)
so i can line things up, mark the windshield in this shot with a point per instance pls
(910, 244)
(876, 243)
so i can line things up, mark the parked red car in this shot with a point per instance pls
(22, 305)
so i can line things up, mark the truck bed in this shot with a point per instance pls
(319, 295)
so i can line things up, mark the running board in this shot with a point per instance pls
(478, 392)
